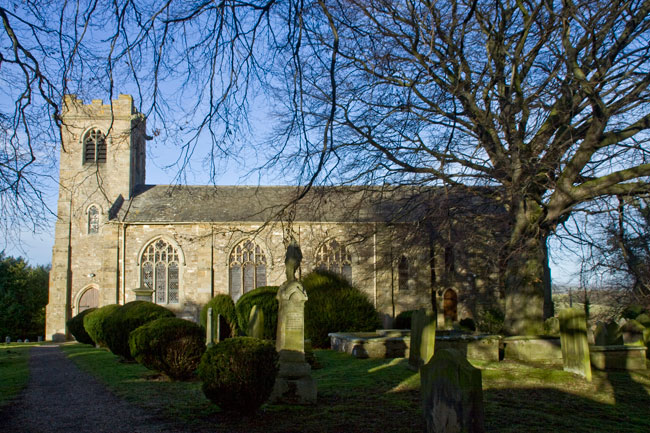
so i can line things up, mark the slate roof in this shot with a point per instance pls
(174, 204)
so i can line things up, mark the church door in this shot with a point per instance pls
(450, 305)
(90, 299)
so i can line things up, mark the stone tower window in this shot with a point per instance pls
(333, 256)
(94, 146)
(93, 220)
(403, 274)
(247, 265)
(160, 268)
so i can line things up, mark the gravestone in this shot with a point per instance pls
(26, 340)
(452, 394)
(423, 338)
(209, 323)
(608, 334)
(573, 338)
(40, 338)
(256, 323)
(293, 384)
(7, 339)
(19, 341)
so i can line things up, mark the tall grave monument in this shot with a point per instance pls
(294, 384)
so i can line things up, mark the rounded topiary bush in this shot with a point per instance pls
(491, 321)
(264, 298)
(169, 345)
(76, 327)
(130, 316)
(334, 305)
(403, 320)
(224, 305)
(94, 323)
(239, 373)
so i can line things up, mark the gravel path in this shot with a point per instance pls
(61, 398)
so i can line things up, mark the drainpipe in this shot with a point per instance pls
(212, 261)
(117, 266)
(68, 274)
(123, 263)
(374, 261)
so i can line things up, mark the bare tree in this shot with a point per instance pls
(546, 102)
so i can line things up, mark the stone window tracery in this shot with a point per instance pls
(334, 257)
(93, 220)
(247, 267)
(160, 271)
(94, 143)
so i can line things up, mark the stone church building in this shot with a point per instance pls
(404, 248)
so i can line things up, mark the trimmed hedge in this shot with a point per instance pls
(94, 323)
(130, 316)
(403, 320)
(264, 298)
(239, 373)
(169, 345)
(334, 305)
(76, 327)
(224, 305)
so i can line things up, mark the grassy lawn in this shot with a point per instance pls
(383, 395)
(14, 371)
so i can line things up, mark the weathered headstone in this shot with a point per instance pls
(293, 384)
(423, 338)
(7, 339)
(256, 322)
(573, 338)
(19, 341)
(26, 340)
(608, 334)
(40, 338)
(219, 329)
(209, 323)
(452, 394)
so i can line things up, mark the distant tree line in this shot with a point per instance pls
(23, 297)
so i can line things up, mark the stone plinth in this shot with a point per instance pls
(575, 348)
(480, 347)
(532, 348)
(293, 384)
(143, 294)
(452, 394)
(618, 357)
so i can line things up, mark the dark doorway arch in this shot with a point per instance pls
(450, 305)
(89, 299)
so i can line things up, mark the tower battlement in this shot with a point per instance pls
(122, 107)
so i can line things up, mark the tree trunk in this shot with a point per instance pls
(527, 274)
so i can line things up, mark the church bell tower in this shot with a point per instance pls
(102, 162)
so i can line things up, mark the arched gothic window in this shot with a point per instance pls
(93, 220)
(403, 274)
(160, 271)
(247, 265)
(94, 146)
(333, 256)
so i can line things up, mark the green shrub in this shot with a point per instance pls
(403, 320)
(333, 305)
(239, 373)
(467, 324)
(94, 323)
(632, 311)
(264, 298)
(76, 327)
(224, 305)
(491, 321)
(130, 316)
(643, 319)
(169, 345)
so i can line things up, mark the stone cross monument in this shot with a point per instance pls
(294, 384)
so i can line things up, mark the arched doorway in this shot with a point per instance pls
(89, 299)
(450, 305)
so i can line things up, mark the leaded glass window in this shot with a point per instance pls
(93, 219)
(403, 274)
(247, 265)
(160, 271)
(334, 257)
(94, 146)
